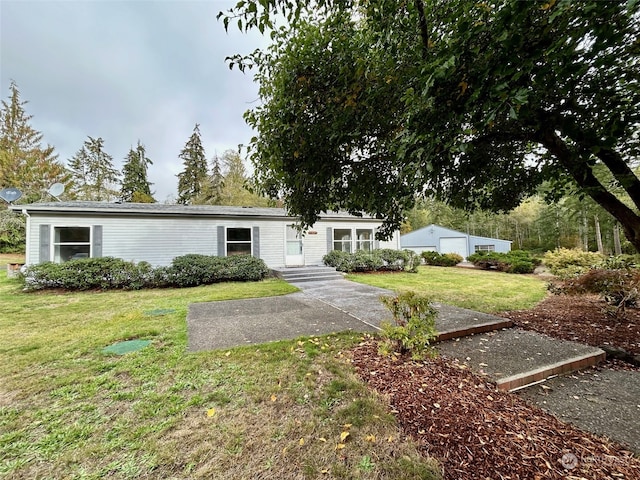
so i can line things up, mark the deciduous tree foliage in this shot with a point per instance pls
(135, 185)
(24, 162)
(93, 176)
(365, 104)
(191, 179)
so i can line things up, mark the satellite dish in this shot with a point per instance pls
(10, 194)
(56, 190)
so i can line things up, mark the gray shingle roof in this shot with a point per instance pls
(161, 209)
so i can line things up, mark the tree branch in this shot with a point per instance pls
(424, 30)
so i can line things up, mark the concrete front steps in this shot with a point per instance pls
(307, 274)
(514, 358)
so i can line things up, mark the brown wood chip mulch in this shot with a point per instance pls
(478, 432)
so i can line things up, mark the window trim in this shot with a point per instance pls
(54, 245)
(485, 248)
(343, 242)
(371, 240)
(227, 242)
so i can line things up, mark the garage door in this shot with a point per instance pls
(454, 245)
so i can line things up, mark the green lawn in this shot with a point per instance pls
(484, 291)
(280, 410)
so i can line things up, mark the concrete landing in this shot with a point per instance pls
(514, 358)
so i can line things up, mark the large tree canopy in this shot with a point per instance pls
(365, 104)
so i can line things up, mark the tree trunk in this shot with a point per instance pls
(586, 180)
(616, 240)
(598, 235)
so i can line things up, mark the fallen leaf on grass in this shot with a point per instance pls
(211, 412)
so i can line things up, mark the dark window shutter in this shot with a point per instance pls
(45, 243)
(96, 242)
(256, 242)
(329, 239)
(222, 251)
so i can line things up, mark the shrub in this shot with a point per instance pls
(339, 260)
(108, 273)
(414, 327)
(441, 260)
(12, 232)
(619, 288)
(193, 269)
(376, 260)
(394, 259)
(103, 273)
(515, 261)
(565, 263)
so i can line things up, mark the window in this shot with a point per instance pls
(364, 240)
(238, 241)
(485, 248)
(342, 239)
(70, 243)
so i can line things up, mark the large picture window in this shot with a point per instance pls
(70, 243)
(238, 241)
(364, 239)
(342, 239)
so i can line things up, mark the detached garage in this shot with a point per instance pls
(444, 240)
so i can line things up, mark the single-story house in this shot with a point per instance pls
(157, 233)
(444, 240)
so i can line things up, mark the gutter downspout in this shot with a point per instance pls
(28, 237)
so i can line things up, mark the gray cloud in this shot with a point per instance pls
(128, 71)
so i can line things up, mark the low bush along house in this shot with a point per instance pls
(157, 233)
(443, 240)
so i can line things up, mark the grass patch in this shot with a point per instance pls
(480, 290)
(278, 410)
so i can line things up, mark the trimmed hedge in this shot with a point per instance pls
(441, 260)
(515, 261)
(108, 273)
(384, 259)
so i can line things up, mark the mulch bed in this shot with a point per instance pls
(582, 318)
(478, 432)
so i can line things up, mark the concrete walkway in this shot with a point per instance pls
(511, 357)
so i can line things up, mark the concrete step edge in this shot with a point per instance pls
(474, 329)
(521, 380)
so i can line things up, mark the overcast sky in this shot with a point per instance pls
(129, 70)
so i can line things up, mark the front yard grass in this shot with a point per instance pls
(290, 409)
(480, 290)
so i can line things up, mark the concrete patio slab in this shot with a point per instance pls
(232, 323)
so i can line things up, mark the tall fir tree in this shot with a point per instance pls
(24, 162)
(93, 175)
(135, 186)
(211, 191)
(194, 175)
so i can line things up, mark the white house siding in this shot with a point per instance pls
(158, 239)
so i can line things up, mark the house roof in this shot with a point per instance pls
(160, 209)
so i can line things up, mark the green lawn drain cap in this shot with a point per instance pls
(129, 346)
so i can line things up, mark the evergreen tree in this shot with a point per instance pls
(93, 175)
(191, 179)
(135, 186)
(24, 163)
(212, 188)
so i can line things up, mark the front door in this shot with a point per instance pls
(294, 252)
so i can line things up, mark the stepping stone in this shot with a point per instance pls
(515, 358)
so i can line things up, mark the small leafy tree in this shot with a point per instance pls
(12, 232)
(414, 327)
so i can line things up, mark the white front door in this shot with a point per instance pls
(294, 249)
